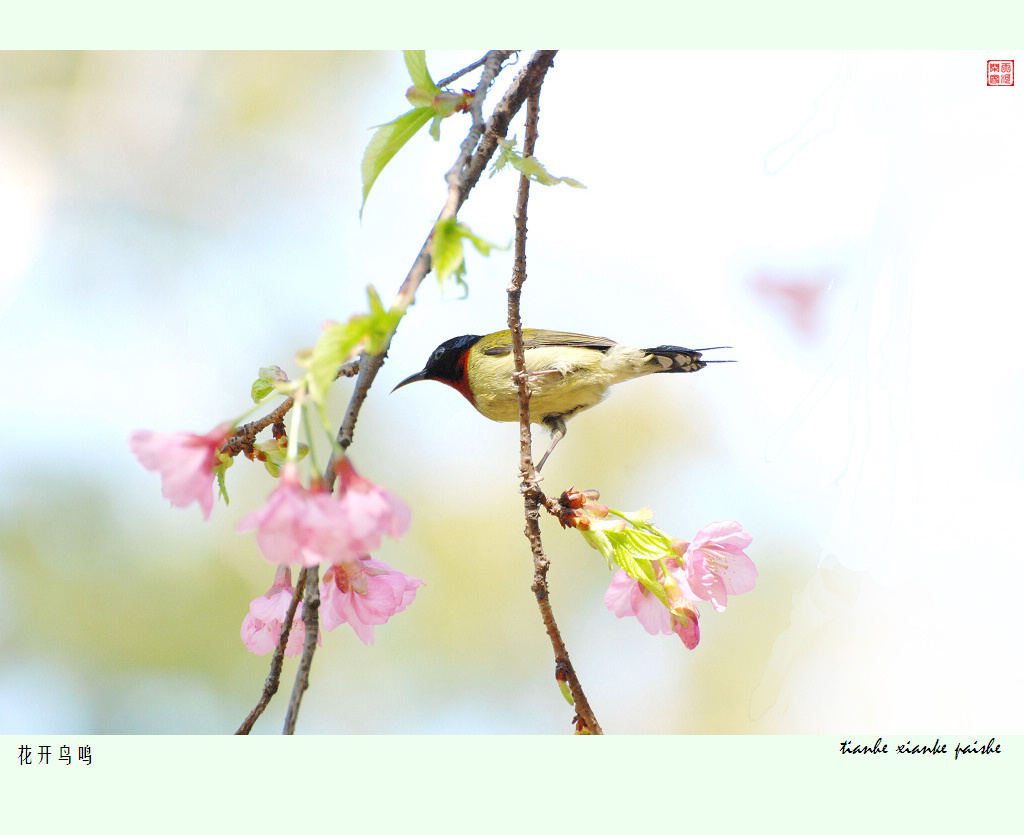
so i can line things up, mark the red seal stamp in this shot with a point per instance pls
(1000, 73)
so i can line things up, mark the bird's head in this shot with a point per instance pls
(447, 364)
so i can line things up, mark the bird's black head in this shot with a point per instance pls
(446, 364)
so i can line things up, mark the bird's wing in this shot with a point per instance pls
(549, 339)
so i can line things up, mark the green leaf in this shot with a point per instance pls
(640, 570)
(446, 254)
(482, 246)
(261, 388)
(633, 550)
(381, 323)
(388, 141)
(435, 127)
(268, 382)
(376, 305)
(504, 156)
(598, 540)
(416, 64)
(529, 166)
(338, 343)
(430, 104)
(335, 345)
(220, 469)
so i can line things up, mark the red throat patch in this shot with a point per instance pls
(461, 385)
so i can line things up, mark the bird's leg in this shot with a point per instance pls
(557, 427)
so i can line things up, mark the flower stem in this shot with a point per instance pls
(293, 430)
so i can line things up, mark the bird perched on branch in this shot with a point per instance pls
(569, 372)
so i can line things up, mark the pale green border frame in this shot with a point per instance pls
(569, 24)
(509, 784)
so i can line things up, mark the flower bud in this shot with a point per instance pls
(574, 498)
(418, 97)
(673, 594)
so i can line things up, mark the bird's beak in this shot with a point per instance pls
(415, 378)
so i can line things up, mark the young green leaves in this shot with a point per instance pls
(446, 254)
(629, 542)
(430, 103)
(530, 166)
(270, 380)
(338, 342)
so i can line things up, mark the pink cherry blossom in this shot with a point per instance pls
(364, 593)
(715, 564)
(629, 597)
(185, 463)
(292, 527)
(261, 628)
(685, 625)
(309, 526)
(371, 510)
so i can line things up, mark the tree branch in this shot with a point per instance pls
(244, 437)
(444, 82)
(532, 495)
(311, 620)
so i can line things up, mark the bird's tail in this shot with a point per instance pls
(672, 358)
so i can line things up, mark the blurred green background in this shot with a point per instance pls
(170, 222)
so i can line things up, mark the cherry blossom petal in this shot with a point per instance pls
(185, 462)
(363, 594)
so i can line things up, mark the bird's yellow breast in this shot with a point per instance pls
(566, 379)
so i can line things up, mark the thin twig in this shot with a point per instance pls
(456, 174)
(276, 663)
(497, 126)
(532, 495)
(444, 82)
(244, 436)
(310, 619)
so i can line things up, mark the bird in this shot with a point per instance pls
(569, 372)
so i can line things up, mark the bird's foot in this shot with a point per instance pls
(530, 479)
(533, 376)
